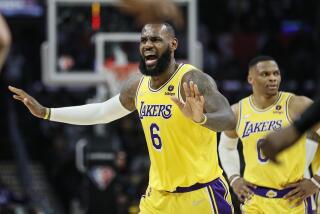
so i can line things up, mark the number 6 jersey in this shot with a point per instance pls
(253, 125)
(182, 152)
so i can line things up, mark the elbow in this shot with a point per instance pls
(230, 122)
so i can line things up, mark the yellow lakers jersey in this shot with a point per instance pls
(315, 164)
(182, 152)
(253, 125)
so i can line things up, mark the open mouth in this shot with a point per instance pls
(151, 60)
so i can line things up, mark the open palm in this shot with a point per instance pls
(32, 104)
(194, 104)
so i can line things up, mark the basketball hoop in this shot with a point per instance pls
(122, 72)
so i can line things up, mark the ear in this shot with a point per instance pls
(249, 78)
(174, 44)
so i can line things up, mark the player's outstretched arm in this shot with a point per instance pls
(90, 114)
(5, 41)
(203, 103)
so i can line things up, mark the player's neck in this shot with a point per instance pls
(264, 101)
(158, 81)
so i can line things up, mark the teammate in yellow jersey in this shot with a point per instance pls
(266, 187)
(180, 109)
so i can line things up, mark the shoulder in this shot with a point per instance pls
(297, 104)
(200, 78)
(128, 91)
(197, 75)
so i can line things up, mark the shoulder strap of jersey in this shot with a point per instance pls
(288, 98)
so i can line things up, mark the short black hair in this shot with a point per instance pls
(169, 27)
(258, 59)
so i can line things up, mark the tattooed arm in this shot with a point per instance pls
(128, 92)
(215, 107)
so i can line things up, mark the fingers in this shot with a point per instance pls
(240, 198)
(201, 99)
(20, 95)
(17, 91)
(300, 200)
(177, 101)
(244, 192)
(191, 87)
(24, 100)
(14, 90)
(251, 185)
(196, 92)
(292, 185)
(297, 196)
(186, 89)
(247, 190)
(291, 193)
(18, 98)
(192, 90)
(243, 196)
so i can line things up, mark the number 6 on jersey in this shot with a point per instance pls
(155, 137)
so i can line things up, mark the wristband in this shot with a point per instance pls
(315, 182)
(234, 179)
(204, 120)
(48, 113)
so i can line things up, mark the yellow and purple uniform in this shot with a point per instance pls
(185, 176)
(253, 125)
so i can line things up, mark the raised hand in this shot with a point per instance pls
(241, 188)
(194, 105)
(32, 104)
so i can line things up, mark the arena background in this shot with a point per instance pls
(48, 167)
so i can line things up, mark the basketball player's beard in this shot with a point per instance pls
(163, 63)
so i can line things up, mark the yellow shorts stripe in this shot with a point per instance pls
(213, 199)
(227, 193)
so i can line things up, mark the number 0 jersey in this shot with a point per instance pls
(182, 152)
(253, 125)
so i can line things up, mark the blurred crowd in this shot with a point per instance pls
(231, 33)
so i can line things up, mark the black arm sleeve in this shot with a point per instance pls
(309, 117)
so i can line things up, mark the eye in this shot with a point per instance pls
(143, 40)
(156, 39)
